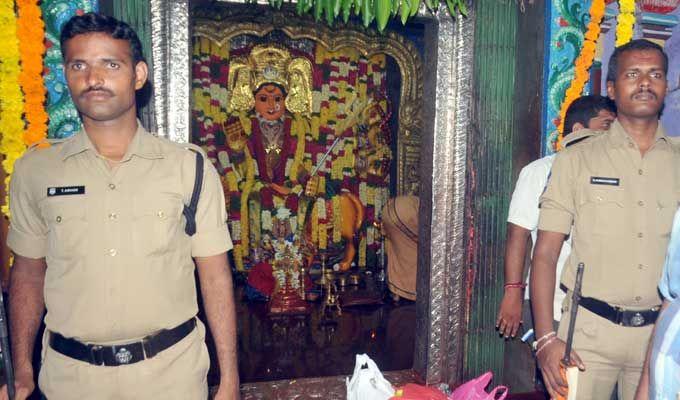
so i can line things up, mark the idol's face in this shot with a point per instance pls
(640, 85)
(102, 76)
(270, 102)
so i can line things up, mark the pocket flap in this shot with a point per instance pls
(161, 209)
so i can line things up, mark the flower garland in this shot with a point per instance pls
(247, 188)
(583, 62)
(31, 34)
(12, 106)
(297, 130)
(625, 22)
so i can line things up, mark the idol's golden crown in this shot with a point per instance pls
(270, 64)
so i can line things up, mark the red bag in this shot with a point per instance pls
(412, 391)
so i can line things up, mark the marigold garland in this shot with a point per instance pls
(247, 188)
(583, 62)
(297, 130)
(625, 22)
(31, 34)
(12, 102)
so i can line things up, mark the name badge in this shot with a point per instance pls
(599, 180)
(65, 190)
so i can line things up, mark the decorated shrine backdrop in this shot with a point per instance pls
(64, 120)
(566, 22)
(337, 77)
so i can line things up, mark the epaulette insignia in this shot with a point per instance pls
(44, 143)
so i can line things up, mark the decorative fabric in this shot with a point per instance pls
(565, 27)
(64, 120)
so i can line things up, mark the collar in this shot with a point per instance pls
(578, 135)
(143, 144)
(620, 137)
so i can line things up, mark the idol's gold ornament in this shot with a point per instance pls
(270, 64)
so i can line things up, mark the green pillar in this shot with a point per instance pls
(138, 15)
(490, 177)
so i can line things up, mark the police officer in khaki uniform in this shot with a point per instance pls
(100, 242)
(619, 191)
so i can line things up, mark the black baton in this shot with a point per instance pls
(575, 299)
(5, 350)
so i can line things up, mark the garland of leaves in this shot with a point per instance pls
(583, 62)
(625, 22)
(11, 125)
(379, 11)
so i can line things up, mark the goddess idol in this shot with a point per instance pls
(269, 105)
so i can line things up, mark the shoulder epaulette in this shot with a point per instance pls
(45, 143)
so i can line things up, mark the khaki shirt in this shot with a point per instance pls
(119, 264)
(621, 205)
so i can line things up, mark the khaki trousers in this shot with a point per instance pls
(179, 372)
(611, 353)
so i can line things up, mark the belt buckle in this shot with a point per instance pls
(122, 355)
(96, 354)
(637, 319)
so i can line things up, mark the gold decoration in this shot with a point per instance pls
(240, 95)
(299, 99)
(403, 52)
(270, 64)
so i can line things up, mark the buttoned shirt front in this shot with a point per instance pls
(119, 264)
(621, 205)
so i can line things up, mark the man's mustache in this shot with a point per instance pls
(644, 91)
(97, 89)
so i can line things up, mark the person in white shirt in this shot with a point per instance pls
(595, 113)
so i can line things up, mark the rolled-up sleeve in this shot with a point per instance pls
(212, 235)
(558, 201)
(27, 234)
(523, 210)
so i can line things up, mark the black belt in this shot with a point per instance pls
(121, 354)
(618, 315)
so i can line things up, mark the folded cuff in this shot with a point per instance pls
(26, 245)
(555, 221)
(210, 243)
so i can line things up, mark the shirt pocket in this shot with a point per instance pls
(156, 224)
(603, 211)
(67, 227)
(666, 206)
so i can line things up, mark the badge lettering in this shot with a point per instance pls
(599, 180)
(65, 190)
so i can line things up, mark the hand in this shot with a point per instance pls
(549, 358)
(281, 190)
(23, 386)
(510, 313)
(227, 393)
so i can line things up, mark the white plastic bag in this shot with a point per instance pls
(367, 382)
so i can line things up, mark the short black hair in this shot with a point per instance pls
(633, 45)
(93, 23)
(584, 108)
